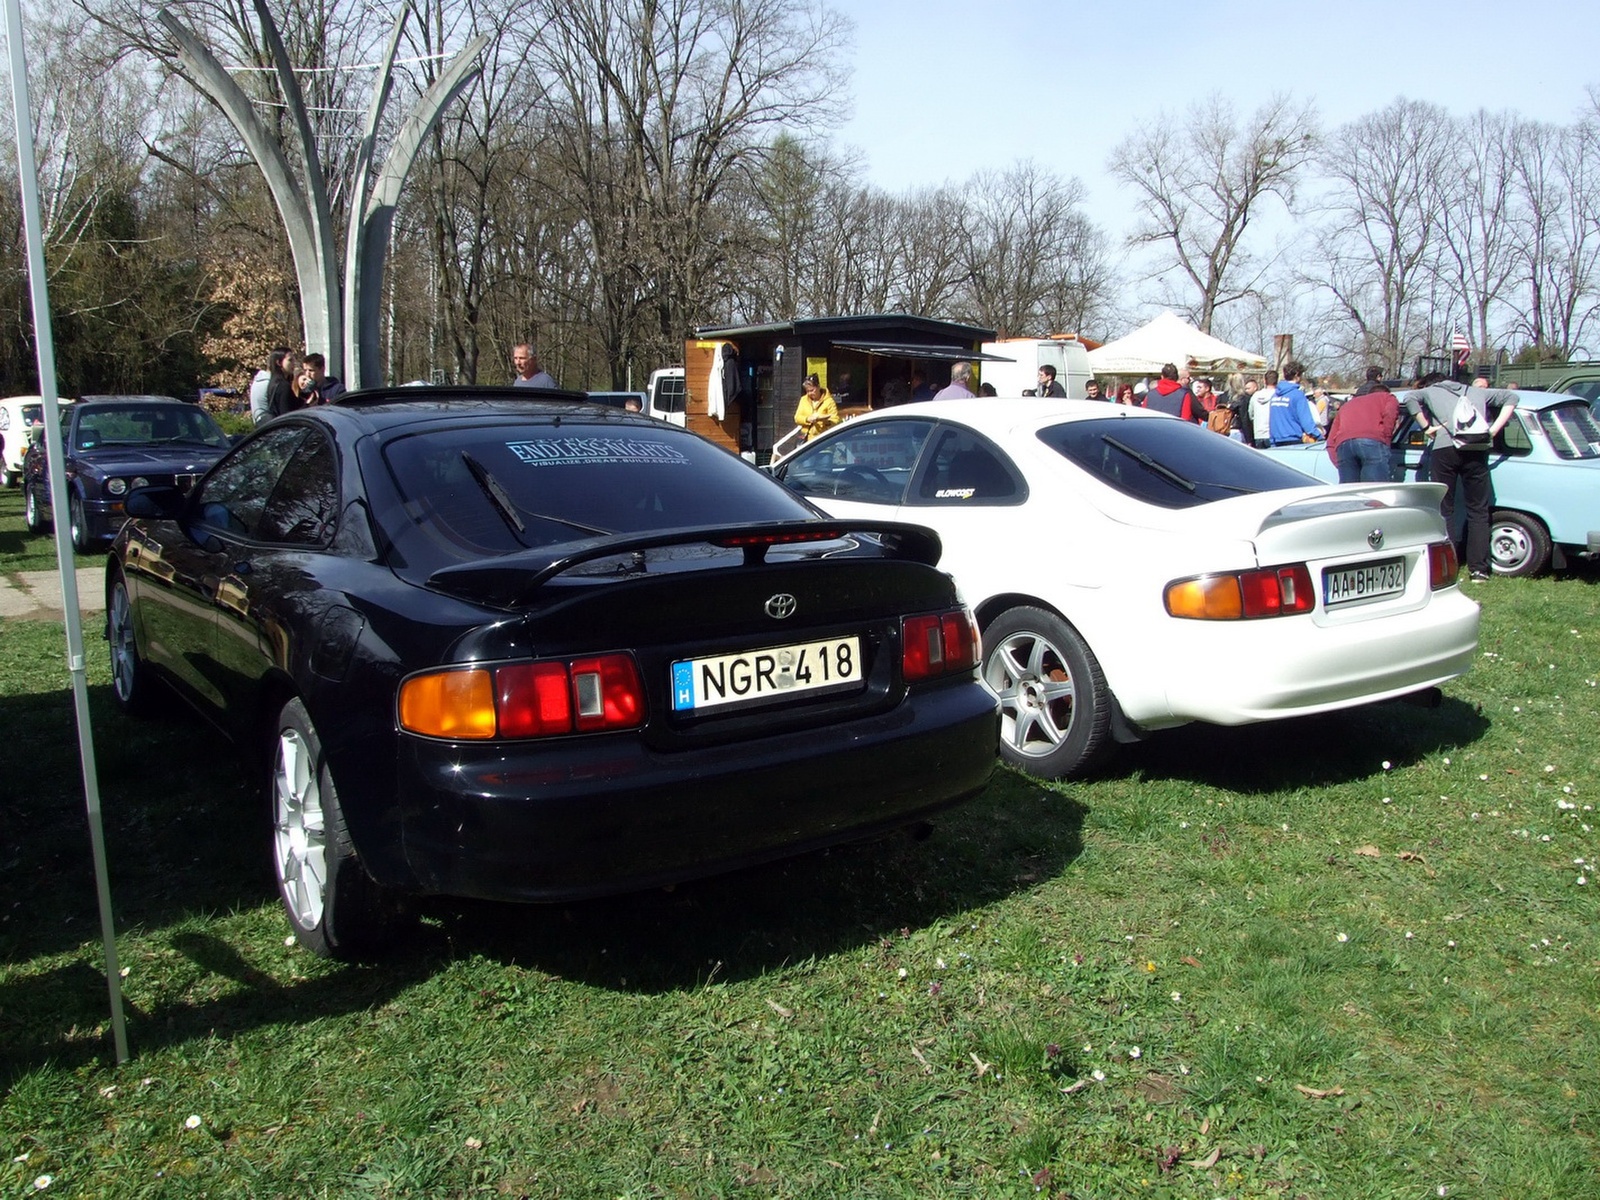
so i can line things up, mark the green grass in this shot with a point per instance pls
(1337, 957)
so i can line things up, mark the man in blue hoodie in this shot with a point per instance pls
(1291, 418)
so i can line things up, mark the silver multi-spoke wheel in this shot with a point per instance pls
(299, 831)
(1518, 545)
(1055, 708)
(124, 653)
(337, 909)
(1037, 696)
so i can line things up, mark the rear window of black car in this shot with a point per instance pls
(486, 490)
(1168, 462)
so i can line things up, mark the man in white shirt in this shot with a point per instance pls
(1261, 410)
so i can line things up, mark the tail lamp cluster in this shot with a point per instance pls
(1275, 591)
(937, 644)
(525, 700)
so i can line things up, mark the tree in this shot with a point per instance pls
(1376, 246)
(1201, 182)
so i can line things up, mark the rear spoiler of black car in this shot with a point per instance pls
(513, 578)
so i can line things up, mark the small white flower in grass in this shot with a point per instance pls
(193, 1122)
(1516, 708)
(902, 972)
(24, 1157)
(1485, 778)
(109, 1091)
(124, 972)
(1099, 1075)
(1451, 944)
(1582, 881)
(1087, 1048)
(1548, 768)
(289, 941)
(1544, 837)
(1176, 997)
(1344, 937)
(474, 1143)
(42, 1182)
(939, 962)
(1447, 762)
(1567, 789)
(1387, 800)
(1577, 862)
(1134, 1052)
(1182, 1070)
(1409, 935)
(1386, 764)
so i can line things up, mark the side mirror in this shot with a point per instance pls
(160, 502)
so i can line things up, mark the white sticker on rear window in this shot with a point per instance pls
(545, 452)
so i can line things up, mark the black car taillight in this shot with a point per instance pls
(934, 644)
(525, 700)
(1443, 566)
(1264, 592)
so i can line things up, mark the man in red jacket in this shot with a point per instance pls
(1363, 428)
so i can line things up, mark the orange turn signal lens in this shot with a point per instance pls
(449, 704)
(1209, 598)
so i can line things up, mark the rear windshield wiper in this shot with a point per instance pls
(507, 507)
(1144, 460)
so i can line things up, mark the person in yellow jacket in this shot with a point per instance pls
(817, 412)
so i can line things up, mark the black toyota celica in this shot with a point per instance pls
(510, 645)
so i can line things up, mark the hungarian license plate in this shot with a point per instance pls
(1344, 585)
(771, 674)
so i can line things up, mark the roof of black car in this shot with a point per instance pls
(407, 404)
(134, 399)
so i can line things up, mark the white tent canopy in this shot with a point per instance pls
(1170, 339)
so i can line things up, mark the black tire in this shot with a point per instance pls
(1055, 707)
(131, 681)
(1518, 544)
(32, 514)
(78, 526)
(336, 909)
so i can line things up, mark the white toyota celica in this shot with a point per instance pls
(1131, 571)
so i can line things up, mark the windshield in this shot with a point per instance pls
(475, 491)
(147, 425)
(1572, 430)
(1170, 463)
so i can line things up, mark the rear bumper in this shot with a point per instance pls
(1253, 672)
(595, 816)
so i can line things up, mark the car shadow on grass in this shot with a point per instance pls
(1316, 751)
(736, 926)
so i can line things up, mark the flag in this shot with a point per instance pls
(1461, 346)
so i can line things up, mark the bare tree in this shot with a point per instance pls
(1477, 220)
(1200, 183)
(1375, 247)
(654, 108)
(1555, 184)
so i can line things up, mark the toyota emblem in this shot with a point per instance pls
(781, 606)
(1375, 539)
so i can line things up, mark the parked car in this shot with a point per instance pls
(511, 646)
(113, 445)
(1545, 469)
(1131, 572)
(20, 418)
(619, 399)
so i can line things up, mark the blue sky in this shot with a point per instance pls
(944, 89)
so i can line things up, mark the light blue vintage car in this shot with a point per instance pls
(1545, 466)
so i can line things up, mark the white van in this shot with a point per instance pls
(1068, 356)
(669, 396)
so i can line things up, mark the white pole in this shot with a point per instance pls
(27, 175)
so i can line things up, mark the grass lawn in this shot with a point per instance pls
(1349, 956)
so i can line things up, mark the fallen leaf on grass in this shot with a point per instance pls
(1318, 1093)
(779, 1009)
(1193, 962)
(1369, 852)
(1413, 856)
(983, 1067)
(1075, 1087)
(1206, 1163)
(927, 1067)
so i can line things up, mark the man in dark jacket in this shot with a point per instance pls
(1170, 396)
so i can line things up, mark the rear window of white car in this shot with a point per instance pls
(1167, 462)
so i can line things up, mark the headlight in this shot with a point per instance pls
(117, 487)
(140, 481)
